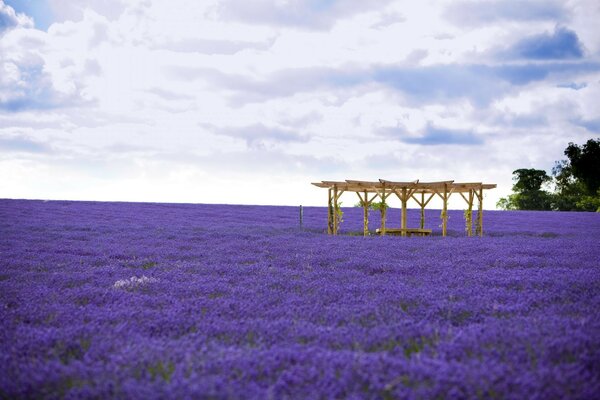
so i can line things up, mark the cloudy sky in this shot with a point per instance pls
(231, 101)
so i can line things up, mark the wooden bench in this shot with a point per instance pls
(408, 231)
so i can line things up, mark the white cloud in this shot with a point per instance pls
(157, 101)
(9, 19)
(312, 14)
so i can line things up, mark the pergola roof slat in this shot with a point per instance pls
(467, 184)
(366, 183)
(419, 187)
(434, 184)
(397, 184)
(332, 183)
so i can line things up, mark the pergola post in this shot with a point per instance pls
(469, 214)
(366, 216)
(403, 199)
(422, 204)
(480, 212)
(335, 209)
(383, 211)
(445, 211)
(329, 213)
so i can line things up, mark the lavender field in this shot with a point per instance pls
(125, 300)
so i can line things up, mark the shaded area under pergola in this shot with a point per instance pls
(421, 192)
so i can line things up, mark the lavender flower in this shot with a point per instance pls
(124, 300)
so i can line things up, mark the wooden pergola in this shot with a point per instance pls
(421, 192)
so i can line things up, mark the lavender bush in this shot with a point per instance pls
(130, 300)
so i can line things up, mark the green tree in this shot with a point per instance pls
(576, 183)
(577, 179)
(507, 203)
(585, 164)
(568, 190)
(528, 193)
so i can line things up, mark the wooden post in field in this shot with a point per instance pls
(366, 215)
(422, 204)
(335, 209)
(445, 211)
(480, 212)
(404, 211)
(469, 215)
(468, 212)
(329, 213)
(365, 205)
(383, 210)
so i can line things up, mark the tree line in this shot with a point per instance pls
(573, 186)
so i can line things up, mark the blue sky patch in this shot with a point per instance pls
(39, 10)
(433, 136)
(592, 125)
(474, 13)
(563, 44)
(572, 85)
(22, 144)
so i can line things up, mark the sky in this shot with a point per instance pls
(248, 102)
